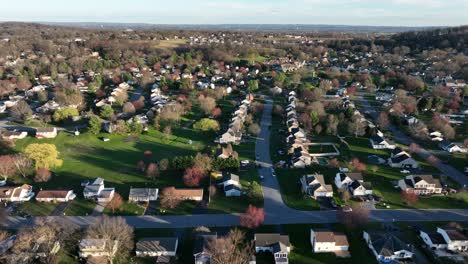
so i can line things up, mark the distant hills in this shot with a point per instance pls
(241, 27)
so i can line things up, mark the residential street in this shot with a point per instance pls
(276, 212)
(404, 139)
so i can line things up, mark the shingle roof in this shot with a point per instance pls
(157, 244)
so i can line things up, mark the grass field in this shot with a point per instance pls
(36, 208)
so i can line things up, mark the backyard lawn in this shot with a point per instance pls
(80, 207)
(36, 208)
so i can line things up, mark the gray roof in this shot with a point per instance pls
(143, 192)
(157, 244)
(386, 244)
(270, 239)
(202, 240)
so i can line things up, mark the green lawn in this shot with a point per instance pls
(128, 208)
(80, 207)
(36, 208)
(291, 192)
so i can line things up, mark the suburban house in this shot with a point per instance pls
(46, 132)
(200, 253)
(21, 193)
(436, 136)
(420, 184)
(452, 147)
(357, 188)
(401, 159)
(343, 180)
(55, 196)
(96, 190)
(378, 141)
(91, 247)
(387, 247)
(434, 240)
(14, 134)
(157, 247)
(456, 240)
(39, 250)
(314, 185)
(277, 244)
(143, 194)
(189, 194)
(231, 184)
(226, 152)
(329, 241)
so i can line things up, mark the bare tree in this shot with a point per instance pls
(207, 104)
(169, 199)
(231, 248)
(383, 120)
(117, 233)
(21, 111)
(23, 165)
(357, 127)
(116, 203)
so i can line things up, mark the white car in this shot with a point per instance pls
(273, 173)
(405, 171)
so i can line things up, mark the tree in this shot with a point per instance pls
(231, 248)
(42, 175)
(141, 165)
(357, 127)
(414, 148)
(254, 192)
(152, 171)
(409, 197)
(203, 161)
(23, 165)
(332, 124)
(216, 112)
(45, 232)
(357, 218)
(169, 199)
(164, 164)
(252, 218)
(254, 129)
(206, 124)
(116, 203)
(94, 124)
(107, 112)
(357, 165)
(253, 85)
(207, 104)
(194, 175)
(7, 167)
(128, 108)
(21, 111)
(44, 155)
(344, 195)
(65, 113)
(383, 120)
(120, 127)
(334, 163)
(135, 126)
(117, 233)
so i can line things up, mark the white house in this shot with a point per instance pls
(16, 193)
(328, 241)
(452, 147)
(314, 185)
(433, 240)
(277, 244)
(420, 184)
(46, 132)
(455, 239)
(343, 180)
(157, 246)
(143, 194)
(97, 247)
(387, 247)
(55, 196)
(96, 190)
(379, 142)
(358, 188)
(14, 134)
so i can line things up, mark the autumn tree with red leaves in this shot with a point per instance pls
(357, 165)
(216, 112)
(152, 171)
(194, 175)
(42, 175)
(253, 217)
(409, 197)
(414, 148)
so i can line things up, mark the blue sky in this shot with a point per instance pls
(339, 12)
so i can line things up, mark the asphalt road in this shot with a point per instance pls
(276, 212)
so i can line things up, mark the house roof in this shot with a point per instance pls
(157, 244)
(230, 176)
(52, 194)
(400, 158)
(357, 176)
(269, 239)
(339, 238)
(436, 238)
(189, 192)
(45, 129)
(231, 187)
(455, 234)
(386, 244)
(143, 192)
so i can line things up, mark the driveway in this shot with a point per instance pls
(98, 209)
(59, 209)
(152, 207)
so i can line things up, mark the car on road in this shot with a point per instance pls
(262, 177)
(405, 171)
(273, 173)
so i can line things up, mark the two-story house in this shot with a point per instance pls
(231, 184)
(314, 185)
(420, 184)
(328, 241)
(401, 159)
(344, 179)
(96, 190)
(277, 244)
(157, 246)
(21, 193)
(357, 188)
(387, 247)
(91, 247)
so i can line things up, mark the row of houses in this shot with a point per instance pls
(40, 132)
(296, 139)
(234, 131)
(314, 185)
